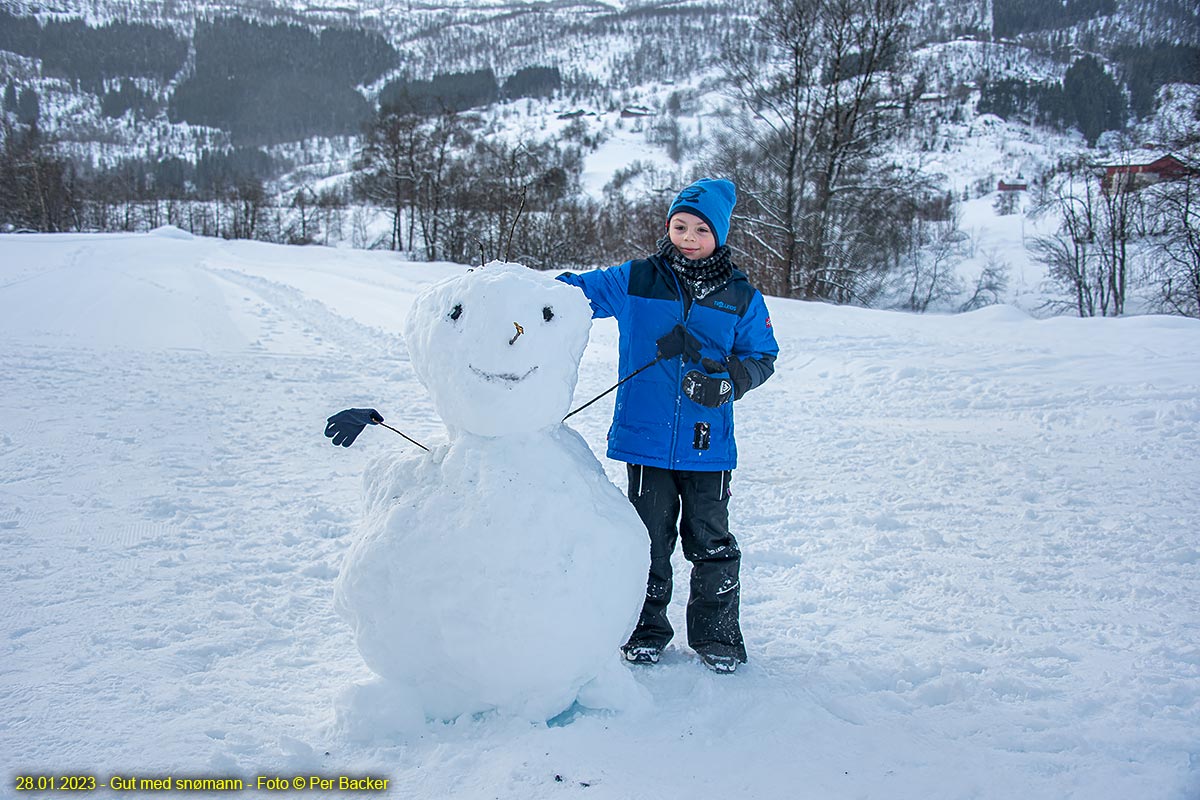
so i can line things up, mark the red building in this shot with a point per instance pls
(1131, 177)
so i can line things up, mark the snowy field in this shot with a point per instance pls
(971, 544)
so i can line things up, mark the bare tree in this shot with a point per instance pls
(304, 227)
(37, 188)
(387, 167)
(500, 191)
(932, 263)
(248, 203)
(405, 166)
(1068, 253)
(510, 186)
(1006, 203)
(802, 151)
(1176, 269)
(331, 206)
(991, 284)
(1118, 211)
(432, 170)
(1120, 206)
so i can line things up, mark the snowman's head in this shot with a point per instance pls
(498, 348)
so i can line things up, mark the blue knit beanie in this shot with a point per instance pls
(711, 200)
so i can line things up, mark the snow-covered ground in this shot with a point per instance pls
(971, 570)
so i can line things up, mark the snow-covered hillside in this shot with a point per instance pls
(970, 553)
(610, 53)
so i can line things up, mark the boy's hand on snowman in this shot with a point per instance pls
(679, 342)
(345, 426)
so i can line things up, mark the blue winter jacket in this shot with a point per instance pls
(654, 422)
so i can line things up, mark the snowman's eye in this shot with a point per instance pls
(456, 312)
(547, 313)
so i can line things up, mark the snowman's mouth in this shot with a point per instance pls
(502, 377)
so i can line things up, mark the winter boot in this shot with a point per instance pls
(722, 665)
(641, 654)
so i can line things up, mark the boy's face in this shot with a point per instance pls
(691, 236)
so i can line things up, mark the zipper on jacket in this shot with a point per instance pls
(673, 460)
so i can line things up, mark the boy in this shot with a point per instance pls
(692, 313)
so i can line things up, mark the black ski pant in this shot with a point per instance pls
(659, 495)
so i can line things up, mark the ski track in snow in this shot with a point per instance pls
(971, 565)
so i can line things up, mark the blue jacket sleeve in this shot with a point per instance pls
(754, 342)
(607, 289)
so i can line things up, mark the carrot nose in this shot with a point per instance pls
(520, 330)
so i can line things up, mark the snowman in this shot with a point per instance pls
(501, 570)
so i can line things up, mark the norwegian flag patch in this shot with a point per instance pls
(768, 322)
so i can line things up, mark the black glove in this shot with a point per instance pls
(345, 426)
(679, 342)
(739, 375)
(707, 390)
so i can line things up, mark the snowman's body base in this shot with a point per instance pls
(497, 573)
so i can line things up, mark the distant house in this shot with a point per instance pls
(1131, 177)
(1001, 186)
(636, 111)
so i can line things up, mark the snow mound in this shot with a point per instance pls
(171, 232)
(1000, 313)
